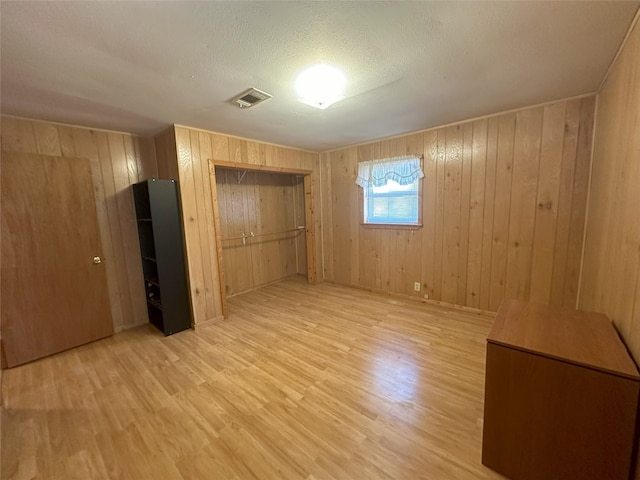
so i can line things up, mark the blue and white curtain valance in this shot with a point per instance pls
(403, 170)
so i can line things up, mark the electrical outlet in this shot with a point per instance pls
(426, 296)
(416, 286)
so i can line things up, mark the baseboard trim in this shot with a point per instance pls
(417, 299)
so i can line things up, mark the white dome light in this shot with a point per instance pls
(321, 86)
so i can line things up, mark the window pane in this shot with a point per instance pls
(392, 203)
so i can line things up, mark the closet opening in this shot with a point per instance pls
(264, 225)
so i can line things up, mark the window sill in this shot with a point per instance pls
(393, 226)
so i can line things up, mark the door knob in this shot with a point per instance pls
(97, 260)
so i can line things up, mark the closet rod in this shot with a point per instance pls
(253, 235)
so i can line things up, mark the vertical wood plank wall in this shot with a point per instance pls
(610, 279)
(611, 270)
(117, 160)
(267, 205)
(191, 149)
(504, 203)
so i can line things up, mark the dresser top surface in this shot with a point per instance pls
(584, 338)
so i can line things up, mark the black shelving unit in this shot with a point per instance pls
(163, 254)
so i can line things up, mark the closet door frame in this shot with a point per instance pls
(312, 277)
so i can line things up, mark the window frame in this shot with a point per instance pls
(396, 226)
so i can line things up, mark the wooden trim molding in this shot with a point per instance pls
(262, 168)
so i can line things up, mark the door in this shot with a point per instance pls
(53, 281)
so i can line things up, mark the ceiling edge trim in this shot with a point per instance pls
(620, 48)
(466, 120)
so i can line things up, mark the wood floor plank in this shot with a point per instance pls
(300, 382)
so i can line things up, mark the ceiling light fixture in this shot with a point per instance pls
(321, 86)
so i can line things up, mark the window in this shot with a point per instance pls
(391, 190)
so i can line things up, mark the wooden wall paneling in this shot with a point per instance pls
(66, 141)
(130, 239)
(291, 237)
(467, 215)
(314, 211)
(113, 212)
(240, 250)
(284, 217)
(256, 223)
(579, 201)
(135, 153)
(148, 167)
(275, 220)
(393, 268)
(482, 232)
(47, 139)
(326, 193)
(18, 135)
(237, 150)
(253, 153)
(565, 198)
(627, 232)
(466, 159)
(202, 195)
(603, 200)
(439, 221)
(547, 202)
(429, 209)
(343, 217)
(219, 147)
(161, 153)
(166, 154)
(478, 215)
(617, 244)
(131, 276)
(504, 179)
(301, 237)
(206, 152)
(627, 257)
(190, 214)
(239, 192)
(526, 159)
(393, 259)
(413, 254)
(217, 224)
(356, 199)
(451, 211)
(227, 228)
(489, 212)
(383, 247)
(368, 241)
(171, 158)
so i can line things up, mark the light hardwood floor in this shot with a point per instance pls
(301, 382)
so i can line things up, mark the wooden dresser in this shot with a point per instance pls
(561, 396)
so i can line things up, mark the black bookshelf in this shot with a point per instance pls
(163, 254)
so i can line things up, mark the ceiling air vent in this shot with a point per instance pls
(251, 97)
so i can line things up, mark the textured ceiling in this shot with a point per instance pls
(140, 66)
